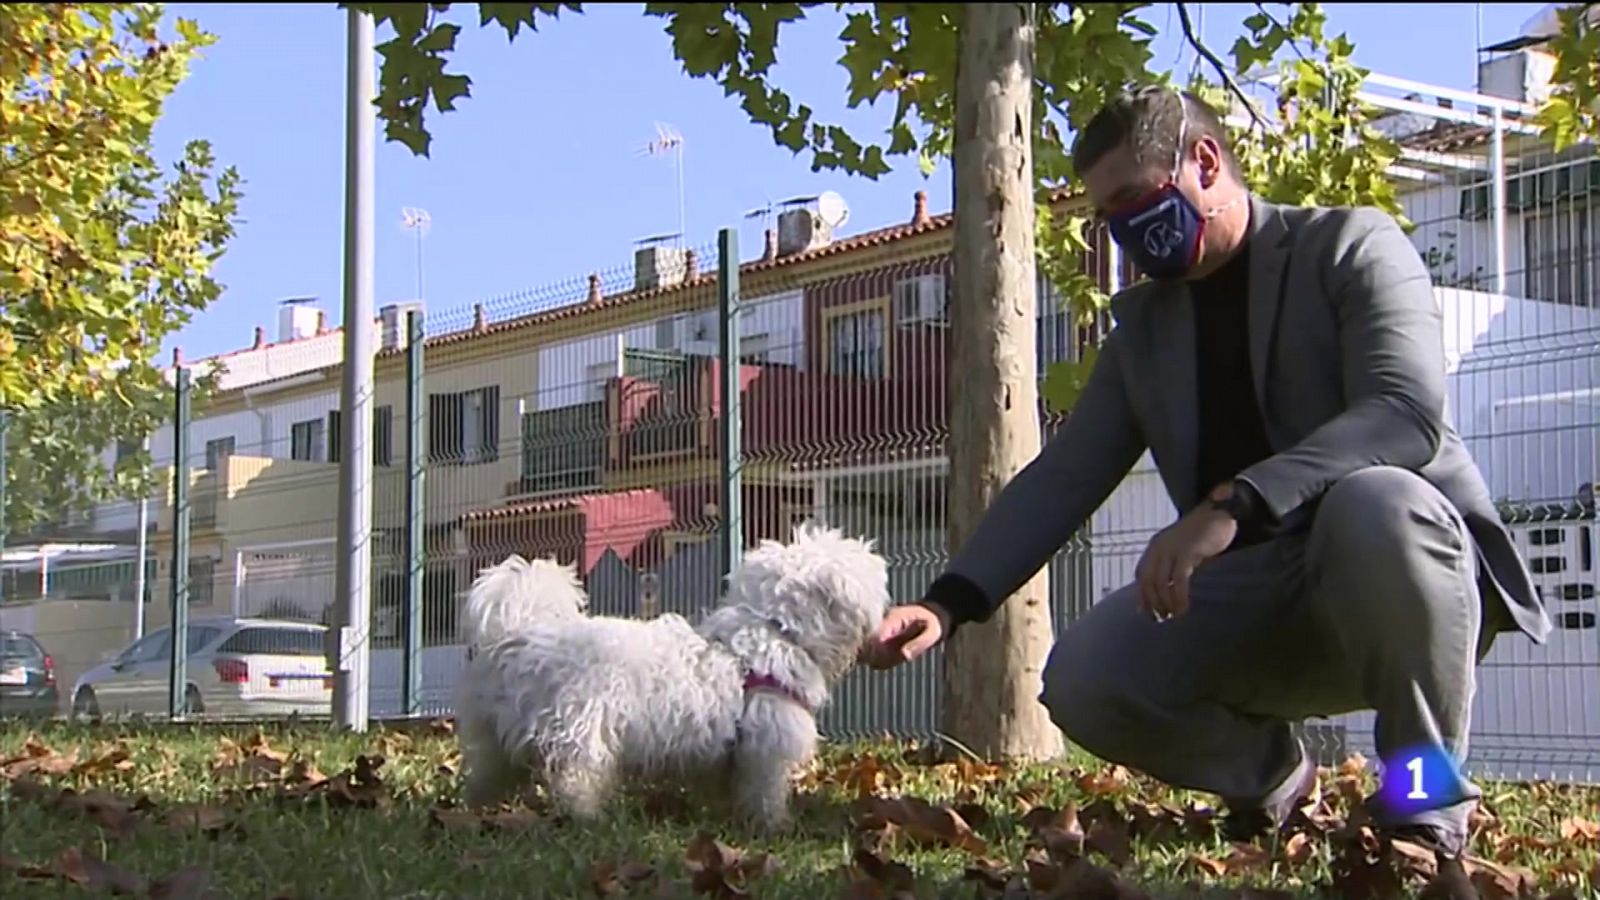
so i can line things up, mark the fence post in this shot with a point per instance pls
(5, 424)
(416, 452)
(732, 527)
(177, 673)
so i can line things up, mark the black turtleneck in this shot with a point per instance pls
(1232, 435)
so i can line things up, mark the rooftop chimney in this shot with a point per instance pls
(802, 230)
(771, 252)
(691, 265)
(657, 266)
(322, 322)
(261, 338)
(298, 317)
(919, 216)
(594, 288)
(480, 318)
(395, 326)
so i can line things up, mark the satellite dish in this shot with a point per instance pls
(832, 208)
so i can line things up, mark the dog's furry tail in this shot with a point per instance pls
(517, 593)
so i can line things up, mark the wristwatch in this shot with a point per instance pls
(1237, 504)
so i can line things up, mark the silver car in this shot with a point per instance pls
(235, 667)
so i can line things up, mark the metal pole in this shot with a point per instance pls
(5, 424)
(142, 541)
(178, 674)
(1497, 201)
(353, 574)
(732, 528)
(416, 452)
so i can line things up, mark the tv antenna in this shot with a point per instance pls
(417, 221)
(670, 140)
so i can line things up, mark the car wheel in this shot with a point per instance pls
(192, 704)
(85, 705)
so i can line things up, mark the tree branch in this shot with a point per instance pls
(1293, 44)
(1219, 65)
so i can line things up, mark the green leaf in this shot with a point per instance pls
(448, 88)
(1064, 381)
(442, 39)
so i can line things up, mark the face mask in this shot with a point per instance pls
(1162, 231)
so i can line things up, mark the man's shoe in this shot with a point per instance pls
(1445, 844)
(1250, 819)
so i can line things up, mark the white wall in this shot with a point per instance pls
(261, 431)
(1436, 212)
(1524, 391)
(575, 371)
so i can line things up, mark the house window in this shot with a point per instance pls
(755, 349)
(921, 300)
(127, 449)
(1562, 253)
(307, 441)
(464, 427)
(855, 344)
(563, 448)
(202, 581)
(217, 452)
(382, 436)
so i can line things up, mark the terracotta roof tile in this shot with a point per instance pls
(854, 243)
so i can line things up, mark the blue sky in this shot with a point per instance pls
(536, 179)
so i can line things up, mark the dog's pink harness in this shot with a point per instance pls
(771, 685)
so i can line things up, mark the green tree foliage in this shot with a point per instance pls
(1572, 113)
(101, 255)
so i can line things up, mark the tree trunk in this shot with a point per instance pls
(992, 671)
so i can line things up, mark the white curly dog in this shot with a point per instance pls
(583, 701)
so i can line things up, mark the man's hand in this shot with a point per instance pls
(1173, 555)
(907, 632)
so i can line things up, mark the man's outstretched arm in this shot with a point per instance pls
(1040, 509)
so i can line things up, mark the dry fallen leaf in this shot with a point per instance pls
(1498, 882)
(610, 879)
(988, 874)
(1580, 831)
(1205, 865)
(925, 822)
(38, 758)
(210, 821)
(1298, 849)
(108, 759)
(888, 876)
(1109, 780)
(253, 761)
(721, 871)
(1111, 839)
(1414, 860)
(1354, 765)
(193, 883)
(96, 874)
(111, 812)
(1244, 857)
(1083, 880)
(1363, 867)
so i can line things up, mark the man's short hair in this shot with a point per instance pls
(1145, 122)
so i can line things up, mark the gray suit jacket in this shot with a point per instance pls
(1347, 351)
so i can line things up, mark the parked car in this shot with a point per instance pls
(27, 677)
(236, 667)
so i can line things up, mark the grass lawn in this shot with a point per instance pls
(302, 812)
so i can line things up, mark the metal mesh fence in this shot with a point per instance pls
(583, 422)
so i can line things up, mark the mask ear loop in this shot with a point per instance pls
(1183, 134)
(1177, 159)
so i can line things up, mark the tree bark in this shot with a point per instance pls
(992, 672)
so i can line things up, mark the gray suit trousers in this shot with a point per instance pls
(1370, 601)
